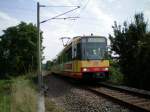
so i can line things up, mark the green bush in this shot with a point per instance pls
(116, 76)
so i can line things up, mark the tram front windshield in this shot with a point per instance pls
(93, 48)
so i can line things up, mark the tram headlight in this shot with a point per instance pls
(106, 69)
(85, 69)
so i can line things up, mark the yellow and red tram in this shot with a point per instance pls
(83, 58)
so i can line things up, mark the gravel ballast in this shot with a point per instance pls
(74, 99)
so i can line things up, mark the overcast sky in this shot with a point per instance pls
(96, 16)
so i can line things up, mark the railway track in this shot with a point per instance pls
(134, 91)
(131, 99)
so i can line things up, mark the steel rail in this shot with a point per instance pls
(128, 100)
(134, 91)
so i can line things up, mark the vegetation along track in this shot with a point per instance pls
(132, 99)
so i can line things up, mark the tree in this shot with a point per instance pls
(18, 48)
(132, 44)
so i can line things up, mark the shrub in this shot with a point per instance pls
(116, 76)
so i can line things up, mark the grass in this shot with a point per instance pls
(18, 95)
(5, 98)
(24, 96)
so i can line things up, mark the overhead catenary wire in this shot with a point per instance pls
(84, 7)
(60, 14)
(67, 18)
(56, 6)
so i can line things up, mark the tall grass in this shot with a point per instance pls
(5, 96)
(20, 94)
(23, 95)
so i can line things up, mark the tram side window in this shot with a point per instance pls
(78, 51)
(59, 60)
(69, 55)
(65, 57)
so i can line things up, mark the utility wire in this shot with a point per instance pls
(83, 8)
(60, 14)
(67, 17)
(56, 6)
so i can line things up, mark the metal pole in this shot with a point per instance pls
(39, 48)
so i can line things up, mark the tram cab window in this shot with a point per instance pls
(93, 48)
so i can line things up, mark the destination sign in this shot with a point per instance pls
(103, 40)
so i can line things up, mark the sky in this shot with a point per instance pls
(95, 16)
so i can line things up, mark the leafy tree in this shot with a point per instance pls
(18, 49)
(132, 44)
